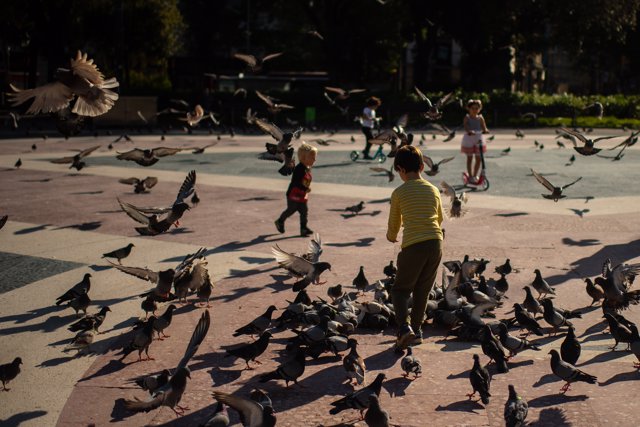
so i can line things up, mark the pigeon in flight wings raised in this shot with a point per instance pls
(76, 161)
(148, 157)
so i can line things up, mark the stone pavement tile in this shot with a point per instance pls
(19, 270)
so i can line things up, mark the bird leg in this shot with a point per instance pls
(614, 347)
(249, 368)
(470, 395)
(636, 365)
(565, 388)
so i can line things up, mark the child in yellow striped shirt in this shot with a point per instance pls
(416, 206)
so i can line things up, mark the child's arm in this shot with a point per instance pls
(395, 219)
(465, 123)
(440, 213)
(484, 125)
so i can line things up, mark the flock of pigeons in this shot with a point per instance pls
(463, 304)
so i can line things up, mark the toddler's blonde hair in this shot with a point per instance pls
(304, 149)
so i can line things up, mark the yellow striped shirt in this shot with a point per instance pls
(416, 206)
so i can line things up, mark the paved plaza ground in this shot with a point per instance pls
(60, 223)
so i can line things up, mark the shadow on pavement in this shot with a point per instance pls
(17, 419)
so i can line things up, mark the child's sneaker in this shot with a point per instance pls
(279, 226)
(405, 337)
(417, 340)
(304, 232)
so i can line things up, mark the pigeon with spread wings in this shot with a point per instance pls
(434, 168)
(140, 185)
(388, 172)
(556, 192)
(309, 270)
(252, 413)
(342, 94)
(433, 112)
(171, 393)
(84, 81)
(282, 151)
(588, 148)
(76, 161)
(153, 225)
(272, 105)
(148, 157)
(256, 64)
(457, 199)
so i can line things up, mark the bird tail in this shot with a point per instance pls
(338, 406)
(584, 377)
(286, 170)
(269, 376)
(502, 366)
(575, 314)
(300, 285)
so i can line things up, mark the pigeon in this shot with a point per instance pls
(149, 216)
(168, 395)
(571, 160)
(355, 209)
(455, 209)
(531, 304)
(556, 192)
(501, 284)
(88, 322)
(9, 371)
(390, 270)
(196, 116)
(256, 64)
(594, 291)
(315, 34)
(164, 321)
(342, 94)
(493, 349)
(282, 150)
(151, 383)
(527, 321)
(620, 332)
(81, 341)
(200, 150)
(3, 220)
(614, 284)
(567, 372)
(375, 415)
(77, 290)
(80, 303)
(505, 268)
(252, 413)
(598, 109)
(141, 341)
(272, 106)
(17, 164)
(555, 318)
(258, 325)
(360, 282)
(309, 270)
(149, 305)
(358, 399)
(504, 152)
(220, 417)
(514, 344)
(335, 292)
(288, 371)
(76, 160)
(354, 364)
(140, 185)
(343, 110)
(570, 347)
(541, 285)
(148, 157)
(480, 380)
(249, 352)
(434, 168)
(204, 292)
(389, 172)
(516, 409)
(411, 364)
(119, 254)
(588, 148)
(519, 134)
(433, 111)
(84, 81)
(121, 137)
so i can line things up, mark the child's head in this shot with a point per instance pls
(373, 102)
(408, 159)
(307, 154)
(474, 106)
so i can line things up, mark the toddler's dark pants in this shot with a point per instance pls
(293, 207)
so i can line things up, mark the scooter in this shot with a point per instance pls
(482, 184)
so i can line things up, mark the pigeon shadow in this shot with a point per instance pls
(258, 199)
(386, 200)
(349, 216)
(236, 294)
(234, 273)
(466, 405)
(57, 361)
(17, 419)
(511, 214)
(221, 377)
(85, 226)
(114, 365)
(584, 242)
(546, 379)
(48, 325)
(593, 329)
(620, 377)
(255, 260)
(119, 412)
(605, 357)
(333, 165)
(95, 267)
(397, 386)
(87, 192)
(597, 337)
(365, 241)
(31, 229)
(556, 399)
(551, 417)
(199, 417)
(382, 360)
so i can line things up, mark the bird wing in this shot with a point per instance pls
(142, 117)
(135, 154)
(478, 310)
(542, 180)
(314, 250)
(189, 259)
(154, 401)
(63, 160)
(570, 184)
(134, 213)
(196, 338)
(337, 90)
(48, 98)
(574, 134)
(448, 190)
(85, 153)
(250, 411)
(441, 128)
(444, 100)
(271, 56)
(422, 95)
(129, 181)
(150, 181)
(352, 91)
(427, 161)
(604, 137)
(292, 262)
(85, 68)
(447, 160)
(267, 100)
(269, 128)
(402, 120)
(187, 187)
(139, 272)
(166, 151)
(250, 60)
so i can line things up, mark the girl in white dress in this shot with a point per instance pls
(473, 141)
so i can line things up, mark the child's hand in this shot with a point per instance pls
(471, 132)
(486, 131)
